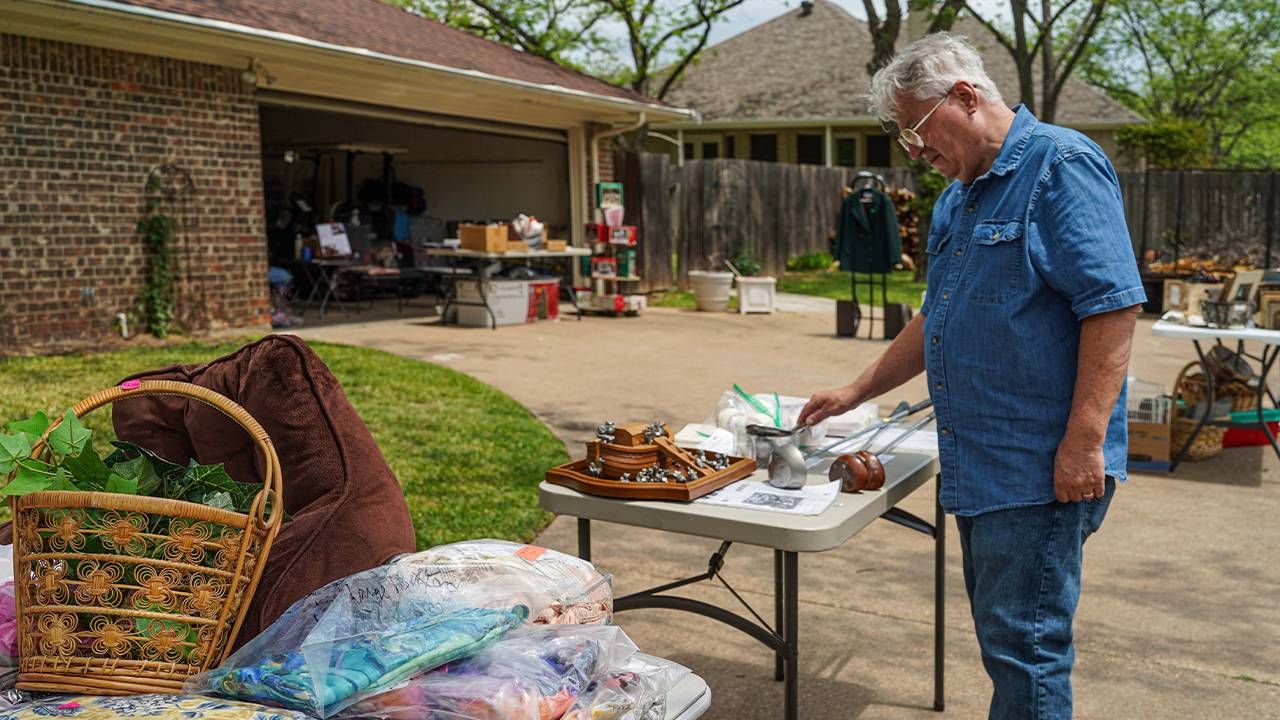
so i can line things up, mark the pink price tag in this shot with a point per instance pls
(530, 552)
(131, 384)
(69, 705)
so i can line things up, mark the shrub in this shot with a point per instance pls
(810, 261)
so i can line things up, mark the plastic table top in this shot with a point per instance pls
(780, 531)
(513, 255)
(1165, 328)
(689, 699)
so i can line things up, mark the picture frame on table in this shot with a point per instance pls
(1241, 285)
(1269, 309)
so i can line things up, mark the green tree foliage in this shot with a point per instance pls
(1208, 63)
(1165, 143)
(659, 39)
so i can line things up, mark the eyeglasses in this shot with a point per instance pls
(909, 139)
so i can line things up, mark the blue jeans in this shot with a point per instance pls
(1022, 573)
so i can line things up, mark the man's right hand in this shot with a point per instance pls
(827, 403)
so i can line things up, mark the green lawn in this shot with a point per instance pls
(823, 283)
(469, 457)
(836, 285)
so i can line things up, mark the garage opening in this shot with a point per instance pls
(392, 189)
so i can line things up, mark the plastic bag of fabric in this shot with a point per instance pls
(635, 690)
(366, 633)
(536, 672)
(151, 707)
(736, 409)
(580, 594)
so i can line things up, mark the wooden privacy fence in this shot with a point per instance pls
(710, 210)
(694, 216)
(1188, 213)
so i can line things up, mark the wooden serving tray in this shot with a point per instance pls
(574, 475)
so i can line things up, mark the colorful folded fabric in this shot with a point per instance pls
(152, 707)
(322, 676)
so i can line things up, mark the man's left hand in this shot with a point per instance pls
(1079, 470)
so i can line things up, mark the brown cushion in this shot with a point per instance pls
(349, 512)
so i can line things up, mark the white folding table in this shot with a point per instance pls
(788, 535)
(475, 264)
(1270, 340)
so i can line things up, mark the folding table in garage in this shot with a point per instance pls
(787, 535)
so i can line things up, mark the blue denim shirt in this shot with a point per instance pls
(1017, 259)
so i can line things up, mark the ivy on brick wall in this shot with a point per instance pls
(159, 229)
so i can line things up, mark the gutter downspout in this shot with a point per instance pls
(611, 132)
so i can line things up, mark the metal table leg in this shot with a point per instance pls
(779, 669)
(1267, 362)
(584, 539)
(791, 632)
(939, 597)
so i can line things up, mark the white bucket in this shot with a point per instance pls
(711, 289)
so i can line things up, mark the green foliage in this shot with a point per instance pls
(810, 261)
(158, 294)
(1165, 143)
(929, 185)
(746, 263)
(1212, 63)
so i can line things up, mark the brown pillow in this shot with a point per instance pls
(349, 512)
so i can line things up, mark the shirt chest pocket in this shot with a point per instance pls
(996, 268)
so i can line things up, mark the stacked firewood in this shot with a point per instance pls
(908, 223)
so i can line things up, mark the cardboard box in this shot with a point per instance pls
(555, 245)
(517, 246)
(624, 235)
(1149, 445)
(483, 238)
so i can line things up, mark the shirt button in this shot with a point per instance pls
(934, 340)
(959, 253)
(943, 431)
(946, 296)
(971, 208)
(937, 386)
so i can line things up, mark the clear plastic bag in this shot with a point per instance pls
(635, 690)
(736, 409)
(583, 595)
(364, 634)
(533, 673)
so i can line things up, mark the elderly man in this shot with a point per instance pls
(1024, 333)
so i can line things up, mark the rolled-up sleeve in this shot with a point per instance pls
(1079, 241)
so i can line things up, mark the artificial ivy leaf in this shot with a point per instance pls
(87, 468)
(123, 485)
(31, 476)
(12, 449)
(70, 437)
(139, 473)
(164, 469)
(62, 480)
(33, 427)
(219, 500)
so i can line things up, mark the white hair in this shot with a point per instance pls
(928, 68)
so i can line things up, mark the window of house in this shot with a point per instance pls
(710, 150)
(688, 151)
(878, 151)
(809, 150)
(730, 146)
(764, 147)
(846, 152)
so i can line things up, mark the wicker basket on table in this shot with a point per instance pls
(120, 594)
(1209, 442)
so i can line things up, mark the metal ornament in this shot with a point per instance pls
(595, 468)
(700, 458)
(624, 477)
(606, 432)
(653, 431)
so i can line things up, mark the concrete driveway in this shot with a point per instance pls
(1180, 615)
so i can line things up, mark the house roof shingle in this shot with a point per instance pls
(379, 27)
(814, 68)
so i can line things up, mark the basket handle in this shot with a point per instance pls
(272, 483)
(1177, 385)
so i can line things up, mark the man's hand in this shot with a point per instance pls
(1079, 469)
(827, 403)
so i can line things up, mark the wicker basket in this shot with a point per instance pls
(124, 594)
(1209, 442)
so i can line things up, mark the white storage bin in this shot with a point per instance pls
(509, 300)
(756, 294)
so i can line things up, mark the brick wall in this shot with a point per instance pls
(80, 128)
